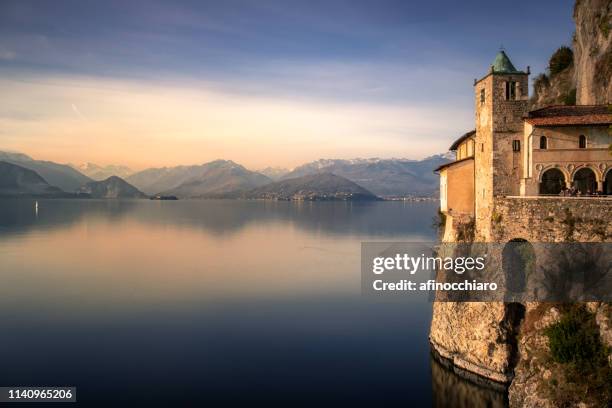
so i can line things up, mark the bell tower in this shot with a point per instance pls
(501, 99)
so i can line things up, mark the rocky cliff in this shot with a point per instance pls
(482, 336)
(586, 79)
(593, 51)
(541, 380)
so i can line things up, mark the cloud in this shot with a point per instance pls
(76, 110)
(7, 55)
(143, 124)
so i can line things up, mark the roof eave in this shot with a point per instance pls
(449, 164)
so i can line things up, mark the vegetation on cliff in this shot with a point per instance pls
(557, 86)
(565, 356)
(580, 74)
(582, 372)
(561, 59)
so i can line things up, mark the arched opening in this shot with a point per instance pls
(607, 185)
(582, 142)
(553, 181)
(543, 142)
(585, 181)
(518, 262)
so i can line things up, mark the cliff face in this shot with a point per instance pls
(593, 51)
(587, 80)
(556, 90)
(541, 382)
(478, 337)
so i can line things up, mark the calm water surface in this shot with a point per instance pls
(225, 302)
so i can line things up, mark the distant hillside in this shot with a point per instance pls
(274, 173)
(96, 172)
(383, 177)
(60, 175)
(216, 177)
(313, 187)
(112, 187)
(16, 181)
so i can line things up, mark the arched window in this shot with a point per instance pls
(585, 181)
(582, 142)
(553, 181)
(543, 142)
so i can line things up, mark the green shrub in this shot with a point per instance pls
(561, 59)
(575, 339)
(466, 231)
(570, 98)
(575, 344)
(541, 82)
(605, 24)
(439, 222)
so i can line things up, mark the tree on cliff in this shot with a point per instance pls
(560, 60)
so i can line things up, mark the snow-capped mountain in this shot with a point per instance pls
(383, 177)
(98, 173)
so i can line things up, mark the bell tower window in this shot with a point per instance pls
(482, 96)
(582, 142)
(510, 90)
(543, 142)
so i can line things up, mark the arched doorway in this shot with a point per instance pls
(607, 185)
(518, 262)
(553, 181)
(585, 181)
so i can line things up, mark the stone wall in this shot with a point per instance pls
(483, 155)
(481, 337)
(498, 122)
(552, 219)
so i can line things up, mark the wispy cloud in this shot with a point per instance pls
(76, 110)
(142, 124)
(7, 55)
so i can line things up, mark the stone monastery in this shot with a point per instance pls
(539, 176)
(523, 164)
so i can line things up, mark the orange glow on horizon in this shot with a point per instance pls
(76, 120)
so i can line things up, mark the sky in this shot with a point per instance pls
(263, 83)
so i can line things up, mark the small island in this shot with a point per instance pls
(163, 197)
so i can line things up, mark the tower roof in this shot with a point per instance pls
(503, 65)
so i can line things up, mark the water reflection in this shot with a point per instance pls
(229, 216)
(452, 390)
(207, 302)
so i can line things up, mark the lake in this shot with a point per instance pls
(215, 302)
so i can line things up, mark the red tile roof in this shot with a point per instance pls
(571, 115)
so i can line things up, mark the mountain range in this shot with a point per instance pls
(383, 177)
(18, 181)
(112, 187)
(274, 173)
(96, 172)
(214, 178)
(225, 178)
(312, 187)
(58, 175)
